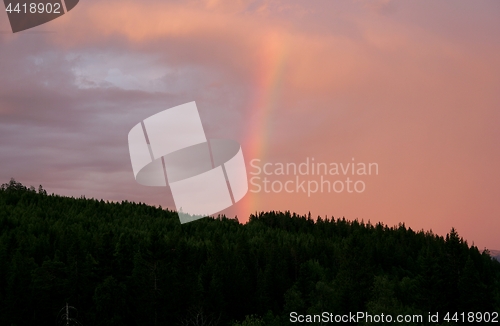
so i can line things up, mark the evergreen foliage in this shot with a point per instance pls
(133, 264)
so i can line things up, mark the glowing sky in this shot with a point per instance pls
(413, 86)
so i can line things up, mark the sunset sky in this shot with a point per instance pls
(413, 86)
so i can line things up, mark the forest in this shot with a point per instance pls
(132, 264)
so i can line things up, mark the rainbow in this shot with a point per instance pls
(267, 85)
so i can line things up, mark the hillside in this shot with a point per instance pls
(495, 254)
(133, 264)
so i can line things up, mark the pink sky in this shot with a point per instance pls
(411, 86)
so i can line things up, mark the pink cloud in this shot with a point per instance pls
(380, 82)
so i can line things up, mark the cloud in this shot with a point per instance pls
(381, 81)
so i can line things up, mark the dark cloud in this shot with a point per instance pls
(412, 86)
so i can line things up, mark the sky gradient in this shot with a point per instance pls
(411, 86)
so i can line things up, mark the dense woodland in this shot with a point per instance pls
(133, 264)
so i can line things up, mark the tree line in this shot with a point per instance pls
(133, 264)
